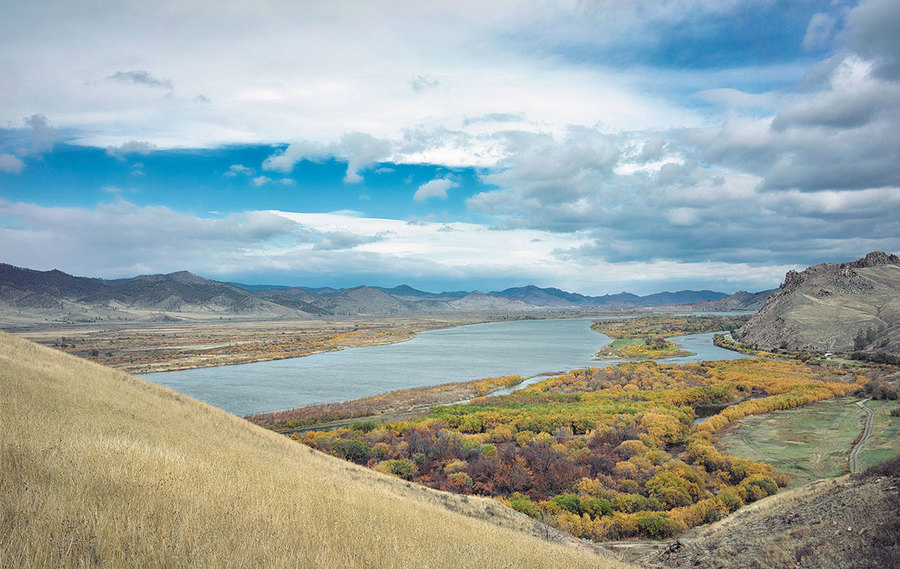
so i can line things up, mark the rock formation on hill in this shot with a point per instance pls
(833, 308)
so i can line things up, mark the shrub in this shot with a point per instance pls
(657, 525)
(569, 502)
(352, 450)
(729, 499)
(404, 468)
(596, 507)
(522, 503)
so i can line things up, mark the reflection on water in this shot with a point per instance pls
(527, 348)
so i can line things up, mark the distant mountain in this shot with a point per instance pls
(741, 300)
(28, 296)
(537, 296)
(478, 301)
(58, 295)
(679, 297)
(553, 297)
(833, 307)
(406, 291)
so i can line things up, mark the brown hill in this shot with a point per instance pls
(833, 308)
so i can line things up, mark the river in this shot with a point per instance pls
(526, 347)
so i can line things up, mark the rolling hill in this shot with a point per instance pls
(29, 297)
(102, 469)
(833, 307)
(739, 301)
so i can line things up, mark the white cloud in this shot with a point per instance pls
(260, 180)
(360, 151)
(141, 147)
(476, 63)
(236, 169)
(436, 188)
(10, 163)
(122, 239)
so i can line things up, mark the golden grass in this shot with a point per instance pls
(98, 468)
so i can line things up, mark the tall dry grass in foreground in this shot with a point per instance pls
(101, 469)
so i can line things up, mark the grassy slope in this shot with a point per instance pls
(101, 468)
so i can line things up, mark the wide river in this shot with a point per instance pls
(526, 347)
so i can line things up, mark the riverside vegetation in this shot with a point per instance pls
(101, 469)
(601, 453)
(645, 337)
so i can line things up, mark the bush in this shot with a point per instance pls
(657, 525)
(522, 503)
(404, 468)
(352, 450)
(568, 502)
(364, 426)
(729, 499)
(596, 507)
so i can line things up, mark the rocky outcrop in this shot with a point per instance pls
(833, 307)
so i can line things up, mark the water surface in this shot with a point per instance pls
(526, 347)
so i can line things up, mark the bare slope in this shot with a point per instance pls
(98, 468)
(827, 307)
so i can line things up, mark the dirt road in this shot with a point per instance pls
(867, 430)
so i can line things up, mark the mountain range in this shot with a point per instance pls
(28, 296)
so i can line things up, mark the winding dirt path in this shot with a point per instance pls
(867, 430)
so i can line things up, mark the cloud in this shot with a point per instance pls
(41, 136)
(421, 83)
(358, 149)
(10, 163)
(122, 239)
(141, 147)
(841, 137)
(818, 32)
(872, 30)
(236, 169)
(436, 188)
(260, 180)
(36, 138)
(115, 190)
(144, 78)
(340, 240)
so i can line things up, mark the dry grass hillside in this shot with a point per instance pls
(98, 468)
(828, 524)
(831, 307)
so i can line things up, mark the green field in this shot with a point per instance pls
(814, 441)
(884, 443)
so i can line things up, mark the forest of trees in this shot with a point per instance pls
(602, 453)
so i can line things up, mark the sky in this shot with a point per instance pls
(596, 147)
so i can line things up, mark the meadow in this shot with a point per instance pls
(813, 442)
